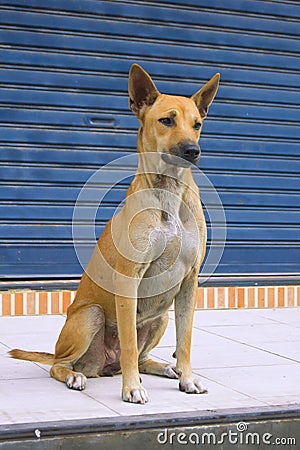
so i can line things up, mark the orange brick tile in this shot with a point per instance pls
(200, 298)
(290, 296)
(251, 302)
(30, 303)
(54, 302)
(271, 297)
(261, 297)
(241, 297)
(280, 297)
(231, 297)
(6, 304)
(19, 304)
(210, 298)
(66, 300)
(43, 302)
(221, 298)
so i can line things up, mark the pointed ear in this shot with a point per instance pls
(204, 97)
(142, 90)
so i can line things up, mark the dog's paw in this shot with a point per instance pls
(192, 386)
(135, 395)
(76, 381)
(170, 372)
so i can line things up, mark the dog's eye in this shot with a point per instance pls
(167, 121)
(197, 126)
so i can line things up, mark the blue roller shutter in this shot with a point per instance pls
(64, 114)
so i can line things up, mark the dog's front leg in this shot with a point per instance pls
(132, 390)
(184, 313)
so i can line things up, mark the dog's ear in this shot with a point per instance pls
(204, 97)
(142, 90)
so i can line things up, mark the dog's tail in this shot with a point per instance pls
(40, 357)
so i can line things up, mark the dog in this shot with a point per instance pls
(148, 256)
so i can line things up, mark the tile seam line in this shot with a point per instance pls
(276, 321)
(232, 389)
(235, 367)
(250, 345)
(101, 403)
(239, 367)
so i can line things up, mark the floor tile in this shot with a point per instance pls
(31, 324)
(277, 400)
(289, 316)
(199, 337)
(43, 400)
(283, 315)
(287, 349)
(236, 317)
(12, 369)
(165, 396)
(3, 349)
(254, 334)
(226, 354)
(260, 381)
(33, 333)
(40, 342)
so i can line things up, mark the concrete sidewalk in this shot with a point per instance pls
(246, 358)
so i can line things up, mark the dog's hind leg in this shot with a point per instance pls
(148, 337)
(75, 348)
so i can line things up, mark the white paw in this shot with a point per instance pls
(135, 395)
(76, 381)
(170, 372)
(193, 386)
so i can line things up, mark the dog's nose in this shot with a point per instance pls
(190, 152)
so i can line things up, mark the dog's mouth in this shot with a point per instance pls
(184, 155)
(176, 161)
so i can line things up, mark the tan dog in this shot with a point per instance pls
(148, 256)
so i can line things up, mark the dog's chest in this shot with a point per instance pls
(175, 251)
(166, 238)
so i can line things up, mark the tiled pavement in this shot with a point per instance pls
(246, 358)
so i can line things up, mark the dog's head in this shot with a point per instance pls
(170, 125)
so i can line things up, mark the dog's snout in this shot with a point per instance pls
(190, 152)
(182, 155)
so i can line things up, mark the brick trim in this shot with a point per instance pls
(27, 302)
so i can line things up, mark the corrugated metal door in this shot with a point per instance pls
(64, 113)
